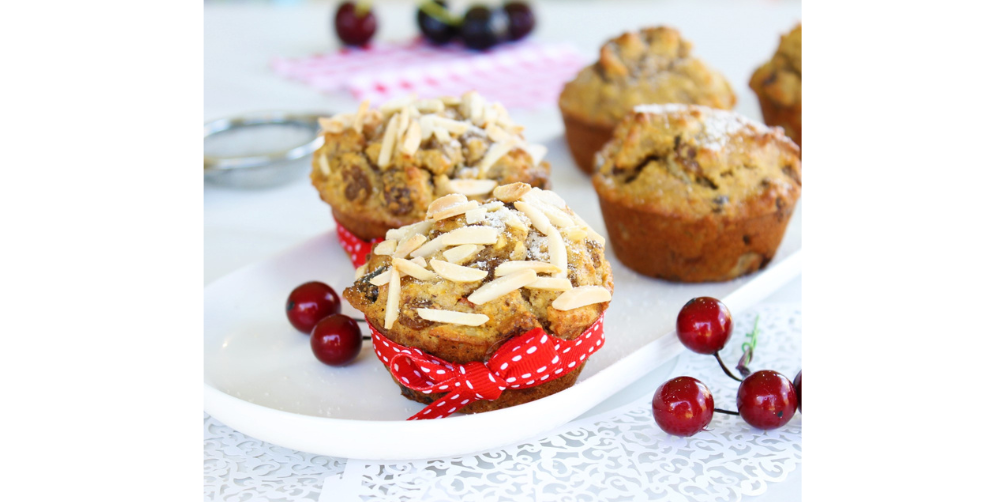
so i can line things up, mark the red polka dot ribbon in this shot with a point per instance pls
(524, 361)
(356, 247)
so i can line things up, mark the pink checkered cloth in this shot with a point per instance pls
(519, 75)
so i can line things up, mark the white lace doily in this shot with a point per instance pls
(619, 455)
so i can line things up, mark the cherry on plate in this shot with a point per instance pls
(482, 28)
(336, 340)
(521, 19)
(798, 384)
(704, 325)
(766, 400)
(355, 25)
(310, 302)
(683, 406)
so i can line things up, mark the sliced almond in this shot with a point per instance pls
(511, 192)
(357, 121)
(420, 261)
(574, 234)
(492, 206)
(536, 152)
(471, 235)
(442, 135)
(381, 279)
(413, 138)
(387, 144)
(430, 247)
(497, 134)
(430, 106)
(476, 215)
(580, 297)
(472, 187)
(457, 273)
(462, 254)
(513, 221)
(393, 298)
(473, 107)
(445, 202)
(360, 271)
(406, 232)
(512, 267)
(397, 104)
(385, 248)
(557, 253)
(336, 123)
(556, 216)
(452, 317)
(452, 126)
(537, 218)
(409, 268)
(501, 286)
(408, 246)
(450, 100)
(489, 115)
(454, 210)
(551, 284)
(404, 121)
(323, 164)
(496, 152)
(426, 124)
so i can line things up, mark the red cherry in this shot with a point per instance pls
(704, 325)
(798, 384)
(336, 340)
(309, 303)
(683, 406)
(766, 400)
(355, 27)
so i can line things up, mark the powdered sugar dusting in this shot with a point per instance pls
(717, 125)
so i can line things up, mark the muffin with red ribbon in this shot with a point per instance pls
(485, 305)
(380, 168)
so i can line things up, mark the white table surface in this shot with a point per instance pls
(245, 226)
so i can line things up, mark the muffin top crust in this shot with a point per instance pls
(477, 273)
(780, 79)
(694, 161)
(653, 65)
(388, 164)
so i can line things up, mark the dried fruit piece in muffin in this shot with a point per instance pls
(654, 65)
(379, 169)
(694, 194)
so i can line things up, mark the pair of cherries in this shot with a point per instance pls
(313, 308)
(684, 406)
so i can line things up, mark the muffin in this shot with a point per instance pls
(654, 65)
(379, 169)
(779, 88)
(693, 194)
(473, 275)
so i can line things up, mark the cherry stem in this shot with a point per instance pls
(365, 337)
(436, 11)
(726, 412)
(725, 369)
(362, 7)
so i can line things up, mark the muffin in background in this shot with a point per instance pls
(379, 169)
(779, 88)
(654, 65)
(693, 194)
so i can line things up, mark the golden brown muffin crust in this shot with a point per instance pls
(692, 161)
(778, 85)
(653, 65)
(370, 193)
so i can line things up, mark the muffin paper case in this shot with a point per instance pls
(356, 248)
(524, 361)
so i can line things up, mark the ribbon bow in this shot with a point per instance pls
(524, 361)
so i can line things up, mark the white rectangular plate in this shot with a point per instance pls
(262, 379)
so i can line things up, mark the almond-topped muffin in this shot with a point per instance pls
(472, 275)
(694, 194)
(380, 169)
(654, 65)
(779, 86)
